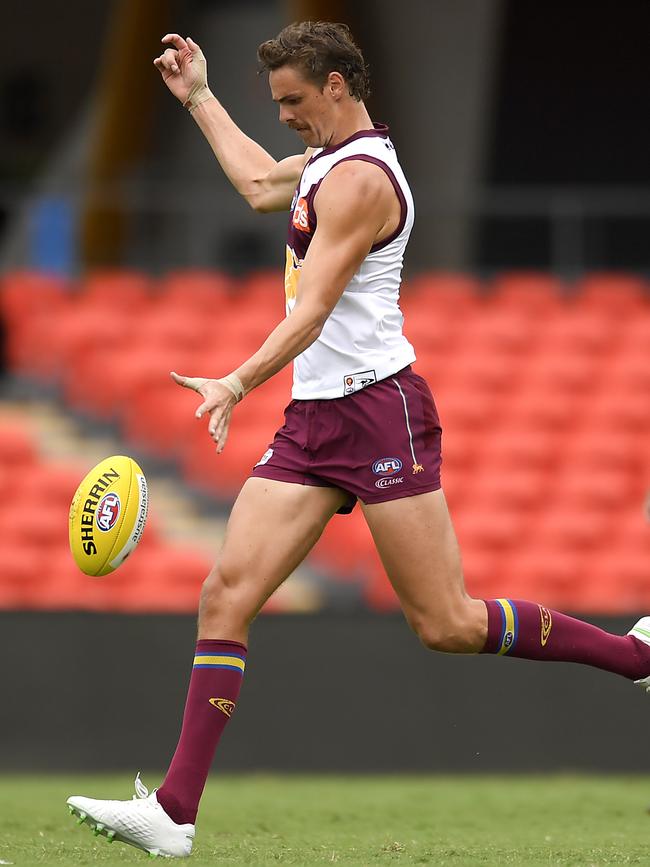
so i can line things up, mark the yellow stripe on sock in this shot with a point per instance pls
(509, 634)
(220, 660)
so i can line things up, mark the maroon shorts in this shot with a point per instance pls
(379, 444)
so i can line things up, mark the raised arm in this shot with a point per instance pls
(267, 185)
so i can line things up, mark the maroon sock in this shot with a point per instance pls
(530, 631)
(214, 687)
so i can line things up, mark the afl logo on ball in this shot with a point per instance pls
(386, 466)
(108, 511)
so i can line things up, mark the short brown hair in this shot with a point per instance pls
(318, 48)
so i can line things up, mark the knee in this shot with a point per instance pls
(460, 631)
(222, 595)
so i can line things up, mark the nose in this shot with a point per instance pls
(286, 115)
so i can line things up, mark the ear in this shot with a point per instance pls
(336, 85)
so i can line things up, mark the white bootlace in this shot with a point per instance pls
(141, 791)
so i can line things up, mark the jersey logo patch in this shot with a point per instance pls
(300, 217)
(356, 381)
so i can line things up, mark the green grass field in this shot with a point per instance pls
(544, 820)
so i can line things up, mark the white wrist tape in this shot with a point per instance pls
(233, 384)
(198, 94)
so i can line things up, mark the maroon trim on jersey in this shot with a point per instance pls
(299, 240)
(366, 158)
(379, 129)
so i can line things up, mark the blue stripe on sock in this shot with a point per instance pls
(229, 667)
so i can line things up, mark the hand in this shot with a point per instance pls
(218, 401)
(183, 69)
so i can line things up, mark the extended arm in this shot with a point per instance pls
(353, 205)
(267, 185)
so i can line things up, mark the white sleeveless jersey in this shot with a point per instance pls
(361, 341)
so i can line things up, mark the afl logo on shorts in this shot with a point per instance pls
(386, 466)
(108, 511)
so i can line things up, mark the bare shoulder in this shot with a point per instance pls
(356, 182)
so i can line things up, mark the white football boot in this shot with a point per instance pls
(141, 822)
(641, 630)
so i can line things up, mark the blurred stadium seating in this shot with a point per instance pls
(543, 390)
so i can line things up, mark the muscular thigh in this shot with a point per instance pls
(272, 527)
(418, 547)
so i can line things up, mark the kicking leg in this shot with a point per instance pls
(272, 527)
(417, 544)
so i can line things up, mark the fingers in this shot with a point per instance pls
(174, 39)
(219, 415)
(167, 62)
(218, 428)
(205, 407)
(193, 382)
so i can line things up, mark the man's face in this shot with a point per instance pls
(304, 107)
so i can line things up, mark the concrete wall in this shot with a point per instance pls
(81, 691)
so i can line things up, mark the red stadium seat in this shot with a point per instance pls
(262, 291)
(80, 335)
(17, 447)
(565, 527)
(26, 293)
(378, 592)
(595, 449)
(511, 447)
(551, 373)
(431, 337)
(629, 370)
(346, 546)
(461, 449)
(42, 528)
(580, 332)
(626, 576)
(439, 296)
(111, 381)
(22, 574)
(607, 490)
(171, 329)
(635, 333)
(195, 291)
(457, 409)
(524, 488)
(531, 293)
(549, 576)
(483, 571)
(222, 475)
(499, 330)
(163, 579)
(469, 374)
(630, 411)
(536, 407)
(615, 294)
(161, 420)
(495, 530)
(116, 290)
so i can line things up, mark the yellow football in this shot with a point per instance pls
(107, 515)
